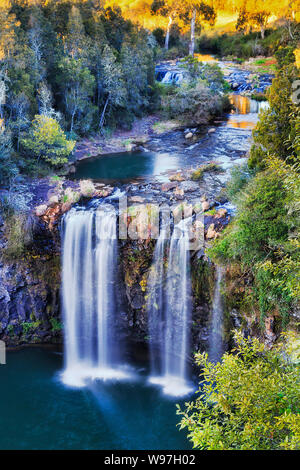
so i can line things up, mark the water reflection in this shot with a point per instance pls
(245, 105)
(125, 165)
(245, 113)
(205, 58)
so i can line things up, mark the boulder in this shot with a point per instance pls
(53, 201)
(211, 233)
(189, 186)
(221, 213)
(65, 207)
(168, 186)
(212, 130)
(179, 193)
(176, 177)
(189, 135)
(41, 210)
(205, 206)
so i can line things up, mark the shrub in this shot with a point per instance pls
(248, 401)
(240, 177)
(276, 127)
(19, 234)
(193, 105)
(47, 141)
(261, 221)
(198, 174)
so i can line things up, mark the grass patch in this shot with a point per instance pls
(198, 174)
(161, 127)
(259, 97)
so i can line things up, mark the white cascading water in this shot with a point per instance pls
(216, 345)
(89, 260)
(169, 312)
(173, 77)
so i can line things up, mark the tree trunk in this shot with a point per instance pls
(192, 42)
(262, 32)
(168, 33)
(103, 114)
(72, 120)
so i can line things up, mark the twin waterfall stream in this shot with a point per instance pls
(90, 267)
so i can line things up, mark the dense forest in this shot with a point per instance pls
(79, 66)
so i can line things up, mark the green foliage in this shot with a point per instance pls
(8, 168)
(240, 177)
(56, 324)
(285, 56)
(17, 234)
(82, 64)
(249, 45)
(47, 141)
(199, 98)
(193, 105)
(276, 129)
(198, 174)
(261, 221)
(248, 401)
(77, 84)
(264, 237)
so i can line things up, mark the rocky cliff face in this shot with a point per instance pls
(29, 301)
(29, 286)
(30, 292)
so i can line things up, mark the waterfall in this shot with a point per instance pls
(89, 270)
(155, 304)
(172, 77)
(169, 312)
(216, 348)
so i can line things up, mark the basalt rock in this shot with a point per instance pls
(29, 300)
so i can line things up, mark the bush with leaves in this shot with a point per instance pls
(193, 104)
(264, 239)
(276, 127)
(47, 141)
(8, 169)
(248, 401)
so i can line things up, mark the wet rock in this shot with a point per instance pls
(211, 131)
(168, 186)
(205, 206)
(65, 207)
(53, 201)
(189, 186)
(179, 193)
(234, 85)
(189, 135)
(269, 330)
(137, 199)
(221, 213)
(41, 210)
(211, 233)
(177, 177)
(137, 301)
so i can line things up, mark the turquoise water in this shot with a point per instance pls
(38, 412)
(125, 165)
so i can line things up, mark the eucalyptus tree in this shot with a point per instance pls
(77, 86)
(114, 87)
(169, 9)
